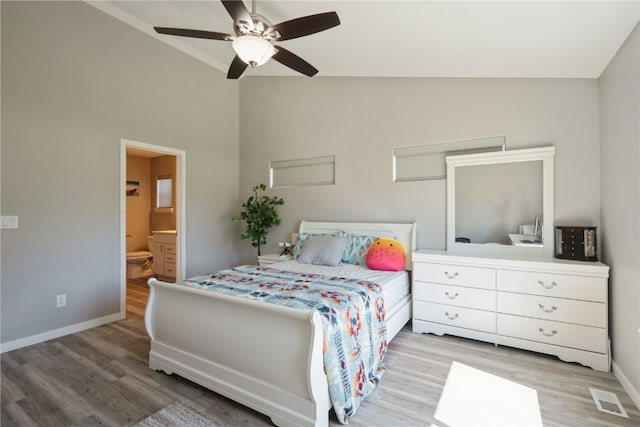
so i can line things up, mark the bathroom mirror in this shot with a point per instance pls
(501, 202)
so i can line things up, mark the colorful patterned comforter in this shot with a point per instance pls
(353, 317)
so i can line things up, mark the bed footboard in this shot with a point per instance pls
(264, 356)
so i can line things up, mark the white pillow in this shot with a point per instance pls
(323, 250)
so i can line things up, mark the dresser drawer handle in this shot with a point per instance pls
(549, 286)
(450, 316)
(450, 275)
(546, 334)
(547, 310)
(451, 296)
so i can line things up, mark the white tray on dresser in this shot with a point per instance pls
(547, 305)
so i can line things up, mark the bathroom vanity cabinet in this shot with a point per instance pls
(543, 304)
(164, 255)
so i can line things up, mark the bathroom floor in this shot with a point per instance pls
(137, 296)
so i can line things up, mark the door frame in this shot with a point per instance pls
(181, 195)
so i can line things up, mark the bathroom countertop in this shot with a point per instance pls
(163, 232)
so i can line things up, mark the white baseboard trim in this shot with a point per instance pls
(57, 333)
(626, 384)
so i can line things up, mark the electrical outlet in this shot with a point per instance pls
(61, 300)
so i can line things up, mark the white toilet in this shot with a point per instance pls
(140, 263)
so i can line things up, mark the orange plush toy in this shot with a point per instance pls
(385, 254)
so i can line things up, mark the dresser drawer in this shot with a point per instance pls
(559, 309)
(553, 285)
(170, 270)
(476, 277)
(482, 299)
(455, 316)
(556, 333)
(170, 249)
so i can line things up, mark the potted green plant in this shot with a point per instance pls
(260, 213)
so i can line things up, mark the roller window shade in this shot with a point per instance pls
(303, 172)
(428, 161)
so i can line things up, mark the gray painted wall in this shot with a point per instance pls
(620, 160)
(360, 120)
(74, 82)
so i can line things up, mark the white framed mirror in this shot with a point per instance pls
(501, 202)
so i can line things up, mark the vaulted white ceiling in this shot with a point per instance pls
(383, 38)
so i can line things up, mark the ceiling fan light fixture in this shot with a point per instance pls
(253, 50)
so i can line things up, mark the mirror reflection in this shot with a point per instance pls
(493, 201)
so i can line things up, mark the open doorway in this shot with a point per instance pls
(152, 188)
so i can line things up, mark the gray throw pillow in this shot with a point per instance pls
(323, 250)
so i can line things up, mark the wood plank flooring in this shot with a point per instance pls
(100, 377)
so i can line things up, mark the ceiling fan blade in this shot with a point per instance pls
(304, 26)
(294, 62)
(199, 34)
(237, 68)
(238, 11)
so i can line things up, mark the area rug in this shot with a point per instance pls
(474, 398)
(177, 414)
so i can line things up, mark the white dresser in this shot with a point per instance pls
(547, 305)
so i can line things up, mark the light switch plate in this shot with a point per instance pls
(9, 222)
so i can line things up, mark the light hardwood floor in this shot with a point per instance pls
(100, 377)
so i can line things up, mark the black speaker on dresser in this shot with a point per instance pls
(577, 243)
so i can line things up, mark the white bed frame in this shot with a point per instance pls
(264, 356)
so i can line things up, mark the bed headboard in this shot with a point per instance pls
(404, 232)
